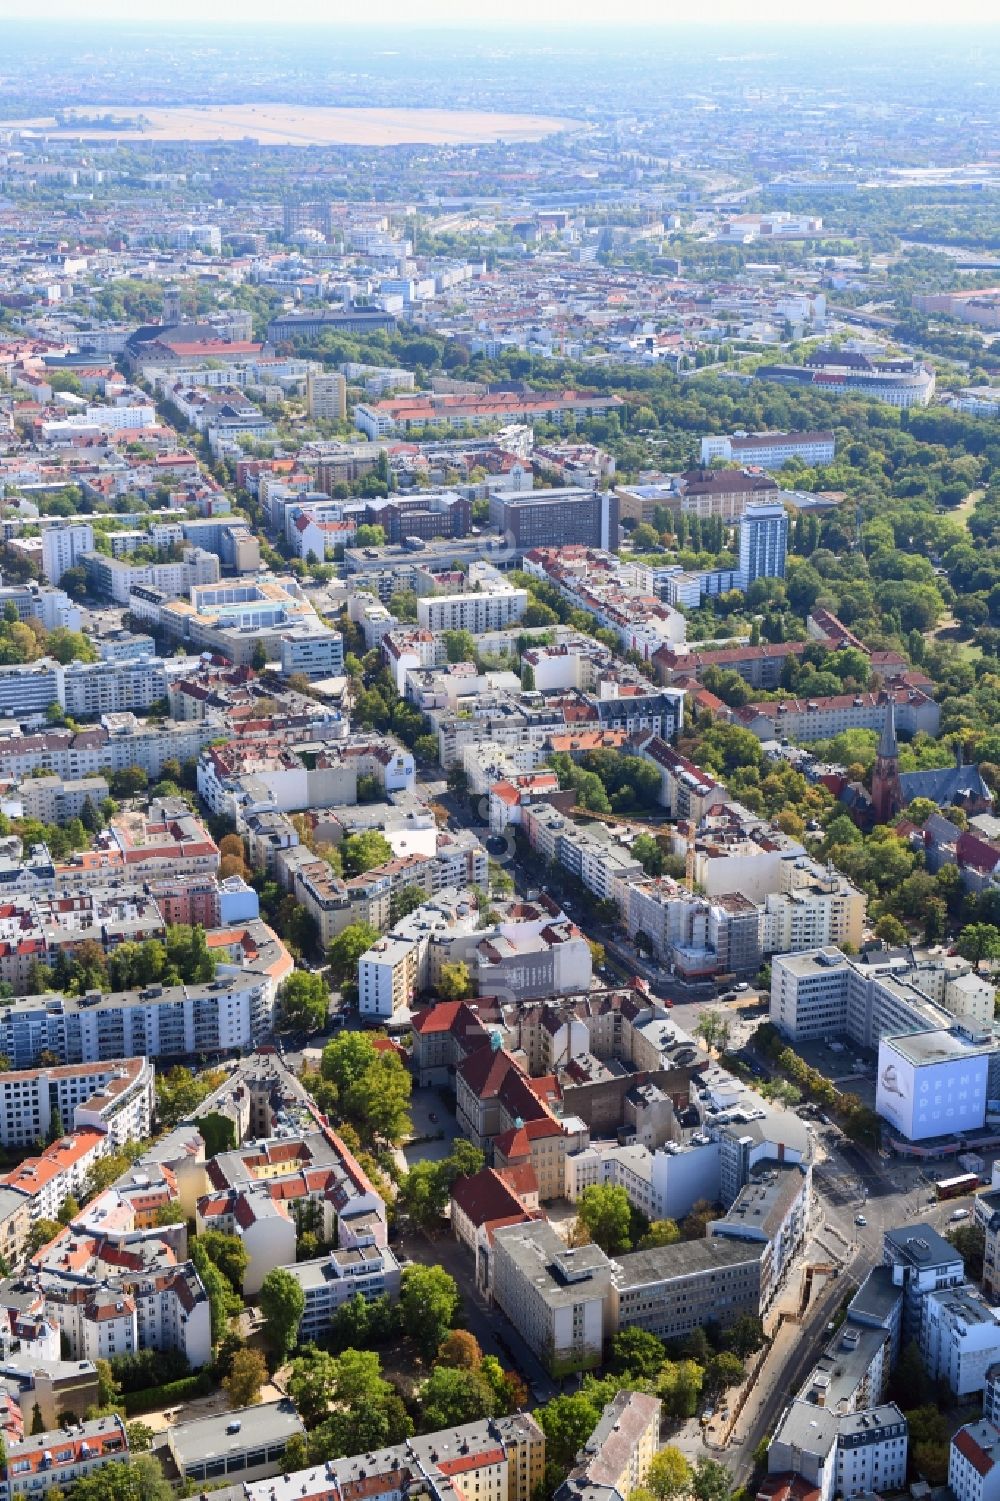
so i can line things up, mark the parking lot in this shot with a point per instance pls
(850, 1068)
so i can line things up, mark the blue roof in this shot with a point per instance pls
(944, 784)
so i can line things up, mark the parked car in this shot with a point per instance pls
(958, 1214)
(859, 1219)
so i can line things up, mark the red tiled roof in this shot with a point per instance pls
(977, 1456)
(485, 1196)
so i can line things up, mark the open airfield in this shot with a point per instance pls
(298, 125)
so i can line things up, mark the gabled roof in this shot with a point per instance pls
(485, 1196)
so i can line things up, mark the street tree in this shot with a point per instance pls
(669, 1474)
(303, 1001)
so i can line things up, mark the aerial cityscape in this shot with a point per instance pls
(499, 756)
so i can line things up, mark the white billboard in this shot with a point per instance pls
(934, 1098)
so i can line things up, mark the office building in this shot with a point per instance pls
(556, 518)
(555, 1297)
(934, 1083)
(672, 1290)
(770, 450)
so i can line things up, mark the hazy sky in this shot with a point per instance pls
(742, 14)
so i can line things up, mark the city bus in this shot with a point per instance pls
(953, 1188)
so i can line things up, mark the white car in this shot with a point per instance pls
(958, 1214)
(859, 1219)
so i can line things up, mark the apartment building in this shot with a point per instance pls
(116, 1293)
(326, 396)
(697, 935)
(64, 547)
(85, 689)
(403, 414)
(329, 1281)
(497, 1459)
(599, 857)
(261, 1223)
(823, 718)
(974, 1462)
(815, 910)
(158, 1021)
(116, 1098)
(760, 666)
(47, 1461)
(495, 607)
(986, 1210)
(309, 1166)
(53, 800)
(409, 958)
(388, 975)
(763, 543)
(122, 740)
(959, 1339)
(61, 1170)
(168, 842)
(920, 1262)
(848, 1455)
(615, 1459)
(15, 1224)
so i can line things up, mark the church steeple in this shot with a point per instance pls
(887, 794)
(888, 750)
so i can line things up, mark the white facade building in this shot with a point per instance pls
(63, 547)
(960, 1339)
(974, 1462)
